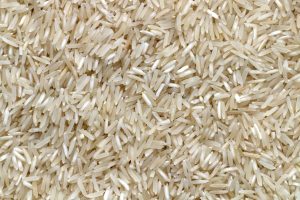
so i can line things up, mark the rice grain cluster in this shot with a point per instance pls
(150, 99)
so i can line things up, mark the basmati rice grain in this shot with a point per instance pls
(213, 14)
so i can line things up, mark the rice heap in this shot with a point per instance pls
(154, 99)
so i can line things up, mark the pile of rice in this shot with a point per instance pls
(150, 99)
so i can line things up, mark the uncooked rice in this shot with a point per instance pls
(150, 99)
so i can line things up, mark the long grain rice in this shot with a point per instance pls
(156, 99)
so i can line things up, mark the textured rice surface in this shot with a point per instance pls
(153, 99)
